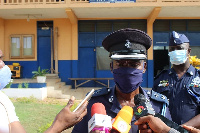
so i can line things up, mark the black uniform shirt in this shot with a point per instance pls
(107, 97)
(183, 93)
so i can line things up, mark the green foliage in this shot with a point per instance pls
(43, 128)
(39, 72)
(9, 84)
(20, 85)
(34, 114)
(23, 85)
(27, 100)
(26, 85)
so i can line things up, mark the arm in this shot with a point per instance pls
(194, 122)
(156, 124)
(191, 129)
(16, 127)
(66, 119)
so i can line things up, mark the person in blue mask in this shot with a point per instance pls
(9, 122)
(181, 83)
(128, 53)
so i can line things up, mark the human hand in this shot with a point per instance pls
(156, 125)
(191, 129)
(66, 119)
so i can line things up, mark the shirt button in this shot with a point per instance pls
(111, 99)
(156, 95)
(162, 97)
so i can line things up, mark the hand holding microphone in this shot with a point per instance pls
(121, 123)
(99, 121)
(143, 108)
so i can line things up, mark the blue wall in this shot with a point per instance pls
(30, 85)
(27, 67)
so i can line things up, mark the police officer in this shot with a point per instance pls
(180, 83)
(128, 48)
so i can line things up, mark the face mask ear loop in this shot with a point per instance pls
(143, 67)
(112, 65)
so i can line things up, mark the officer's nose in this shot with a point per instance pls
(126, 64)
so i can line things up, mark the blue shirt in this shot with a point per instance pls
(107, 97)
(182, 93)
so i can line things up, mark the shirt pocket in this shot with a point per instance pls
(190, 104)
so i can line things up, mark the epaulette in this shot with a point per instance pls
(158, 97)
(101, 92)
(163, 71)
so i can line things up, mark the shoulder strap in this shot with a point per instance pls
(101, 92)
(158, 97)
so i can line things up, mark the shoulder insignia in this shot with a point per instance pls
(163, 71)
(158, 97)
(101, 92)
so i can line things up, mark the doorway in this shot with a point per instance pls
(161, 59)
(44, 41)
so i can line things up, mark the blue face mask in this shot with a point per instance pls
(5, 76)
(178, 57)
(127, 79)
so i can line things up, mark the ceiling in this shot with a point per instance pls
(89, 11)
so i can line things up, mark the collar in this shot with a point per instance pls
(116, 107)
(190, 71)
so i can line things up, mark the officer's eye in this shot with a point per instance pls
(128, 63)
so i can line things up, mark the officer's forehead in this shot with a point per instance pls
(183, 45)
(128, 60)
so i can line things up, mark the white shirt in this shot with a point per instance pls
(7, 113)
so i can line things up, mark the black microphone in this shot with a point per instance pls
(143, 107)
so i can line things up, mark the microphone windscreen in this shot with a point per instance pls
(126, 113)
(98, 108)
(139, 98)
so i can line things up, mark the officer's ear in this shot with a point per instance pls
(189, 50)
(144, 66)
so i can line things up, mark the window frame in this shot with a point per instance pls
(21, 38)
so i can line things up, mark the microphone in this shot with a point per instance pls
(99, 121)
(143, 107)
(122, 120)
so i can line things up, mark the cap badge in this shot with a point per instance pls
(176, 35)
(195, 82)
(163, 83)
(128, 44)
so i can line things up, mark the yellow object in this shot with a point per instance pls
(194, 61)
(16, 64)
(16, 71)
(120, 125)
(122, 120)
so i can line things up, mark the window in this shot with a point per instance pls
(195, 51)
(22, 46)
(103, 60)
(178, 25)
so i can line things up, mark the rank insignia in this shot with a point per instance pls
(195, 82)
(164, 83)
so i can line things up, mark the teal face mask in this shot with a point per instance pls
(178, 57)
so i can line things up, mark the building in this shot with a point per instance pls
(65, 35)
